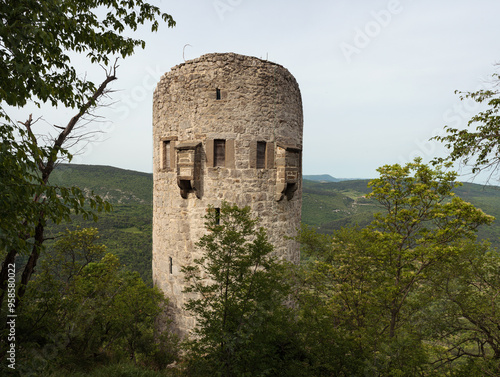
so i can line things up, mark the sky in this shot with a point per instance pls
(377, 78)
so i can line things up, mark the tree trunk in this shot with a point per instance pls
(392, 326)
(46, 169)
(10, 258)
(31, 264)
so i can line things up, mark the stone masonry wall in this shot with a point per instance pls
(251, 106)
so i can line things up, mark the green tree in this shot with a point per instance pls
(243, 325)
(372, 281)
(84, 307)
(478, 145)
(424, 223)
(465, 315)
(36, 40)
(333, 314)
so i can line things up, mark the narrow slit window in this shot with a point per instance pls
(220, 153)
(166, 154)
(261, 155)
(170, 264)
(217, 216)
(217, 94)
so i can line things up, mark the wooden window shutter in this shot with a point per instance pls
(261, 155)
(220, 152)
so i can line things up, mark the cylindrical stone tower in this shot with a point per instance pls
(226, 127)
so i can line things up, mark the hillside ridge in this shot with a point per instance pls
(327, 206)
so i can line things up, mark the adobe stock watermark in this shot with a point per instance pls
(363, 36)
(11, 316)
(124, 106)
(37, 360)
(130, 100)
(457, 116)
(223, 6)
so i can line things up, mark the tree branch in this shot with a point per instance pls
(59, 141)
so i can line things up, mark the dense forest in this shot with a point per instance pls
(327, 207)
(343, 283)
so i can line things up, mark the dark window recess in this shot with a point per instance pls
(185, 186)
(170, 264)
(217, 216)
(166, 154)
(261, 155)
(217, 94)
(220, 153)
(290, 190)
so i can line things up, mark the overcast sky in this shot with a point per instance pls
(377, 77)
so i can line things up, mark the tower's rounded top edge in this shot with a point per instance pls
(216, 60)
(226, 57)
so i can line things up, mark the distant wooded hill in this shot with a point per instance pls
(323, 178)
(127, 231)
(327, 206)
(331, 205)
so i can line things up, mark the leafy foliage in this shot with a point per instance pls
(37, 38)
(369, 289)
(468, 308)
(21, 184)
(421, 226)
(83, 305)
(477, 146)
(243, 324)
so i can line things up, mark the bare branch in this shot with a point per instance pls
(64, 134)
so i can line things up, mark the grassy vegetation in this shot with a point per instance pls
(330, 206)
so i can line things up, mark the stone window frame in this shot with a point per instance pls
(260, 161)
(229, 158)
(289, 160)
(167, 144)
(268, 155)
(220, 153)
(189, 168)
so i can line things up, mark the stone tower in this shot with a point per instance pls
(226, 127)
